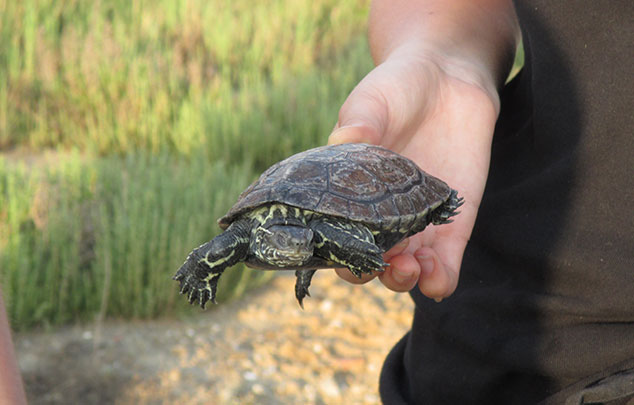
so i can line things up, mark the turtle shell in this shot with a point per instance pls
(360, 182)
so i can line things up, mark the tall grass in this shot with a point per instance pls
(168, 108)
(118, 76)
(83, 238)
(133, 125)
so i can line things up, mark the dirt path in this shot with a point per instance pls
(262, 350)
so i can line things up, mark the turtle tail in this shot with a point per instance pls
(446, 210)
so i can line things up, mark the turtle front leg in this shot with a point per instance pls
(348, 244)
(199, 275)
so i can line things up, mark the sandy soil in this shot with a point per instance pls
(261, 350)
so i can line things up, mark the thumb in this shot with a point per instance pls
(363, 117)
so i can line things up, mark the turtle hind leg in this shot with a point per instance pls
(199, 275)
(443, 214)
(349, 244)
(302, 283)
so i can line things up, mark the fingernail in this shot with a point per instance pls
(349, 133)
(426, 264)
(400, 276)
(351, 124)
(345, 128)
(438, 300)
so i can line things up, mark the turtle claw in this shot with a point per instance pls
(200, 297)
(447, 210)
(184, 288)
(300, 298)
(193, 296)
(358, 272)
(382, 267)
(203, 297)
(301, 285)
(371, 263)
(196, 289)
(355, 272)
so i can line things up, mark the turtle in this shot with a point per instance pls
(331, 206)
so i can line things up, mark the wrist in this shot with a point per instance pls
(443, 65)
(471, 41)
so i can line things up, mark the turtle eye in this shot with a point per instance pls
(281, 238)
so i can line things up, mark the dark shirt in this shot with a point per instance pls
(546, 294)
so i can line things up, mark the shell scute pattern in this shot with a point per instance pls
(331, 202)
(365, 210)
(362, 183)
(353, 181)
(404, 204)
(392, 170)
(309, 174)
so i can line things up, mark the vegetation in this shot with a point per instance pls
(127, 128)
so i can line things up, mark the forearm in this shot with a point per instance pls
(477, 38)
(11, 390)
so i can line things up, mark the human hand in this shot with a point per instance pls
(417, 106)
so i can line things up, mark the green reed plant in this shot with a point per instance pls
(172, 108)
(115, 77)
(82, 238)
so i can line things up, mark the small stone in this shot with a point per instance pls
(250, 376)
(329, 387)
(289, 389)
(310, 393)
(257, 389)
(246, 364)
(336, 323)
(87, 335)
(325, 306)
(371, 398)
(270, 370)
(226, 395)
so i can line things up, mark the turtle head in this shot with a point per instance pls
(284, 245)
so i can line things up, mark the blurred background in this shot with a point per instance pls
(126, 129)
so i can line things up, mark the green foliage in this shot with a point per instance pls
(106, 236)
(114, 77)
(169, 108)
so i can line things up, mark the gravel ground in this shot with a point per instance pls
(260, 350)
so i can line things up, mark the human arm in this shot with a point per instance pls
(433, 98)
(11, 389)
